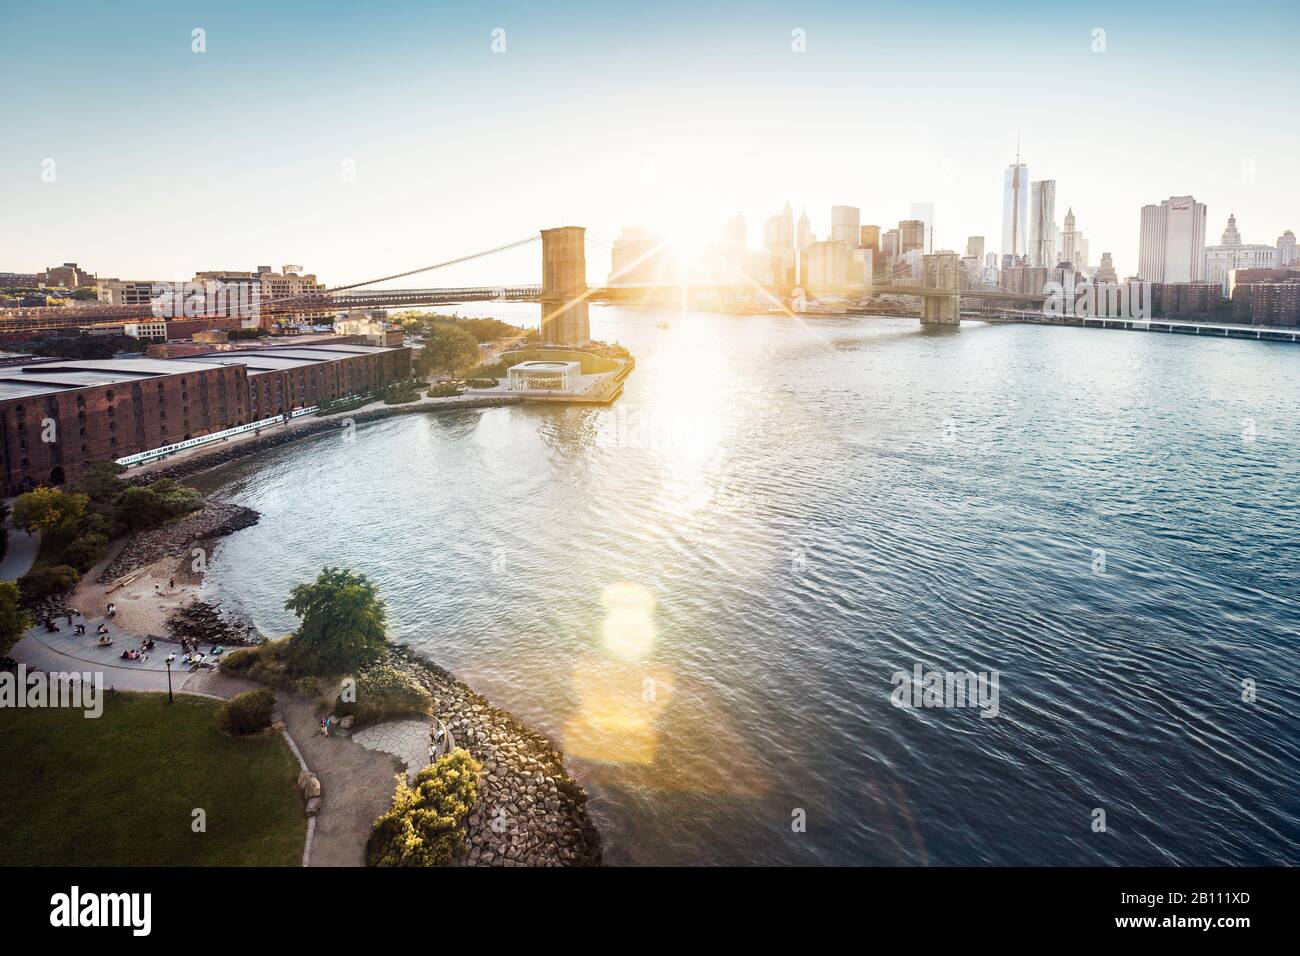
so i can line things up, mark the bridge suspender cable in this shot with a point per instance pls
(449, 262)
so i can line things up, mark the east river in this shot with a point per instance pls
(704, 592)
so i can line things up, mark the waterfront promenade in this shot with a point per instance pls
(1216, 330)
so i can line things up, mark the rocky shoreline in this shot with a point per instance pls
(530, 811)
(214, 520)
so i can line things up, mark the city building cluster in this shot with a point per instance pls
(1230, 282)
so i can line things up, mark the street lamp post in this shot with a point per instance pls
(170, 657)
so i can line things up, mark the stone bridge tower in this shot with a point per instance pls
(942, 270)
(564, 286)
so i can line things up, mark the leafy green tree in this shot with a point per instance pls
(147, 506)
(448, 350)
(50, 511)
(343, 623)
(101, 482)
(13, 619)
(85, 551)
(41, 583)
(424, 826)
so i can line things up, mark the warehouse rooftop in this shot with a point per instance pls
(277, 358)
(40, 378)
(58, 375)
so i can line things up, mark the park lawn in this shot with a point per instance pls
(120, 789)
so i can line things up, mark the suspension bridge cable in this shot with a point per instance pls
(439, 265)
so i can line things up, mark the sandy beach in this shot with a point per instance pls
(144, 597)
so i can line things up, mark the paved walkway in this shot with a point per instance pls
(20, 555)
(407, 740)
(64, 650)
(356, 783)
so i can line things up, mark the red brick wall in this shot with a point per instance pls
(104, 422)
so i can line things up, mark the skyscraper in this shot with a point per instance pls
(778, 244)
(889, 243)
(1074, 248)
(1106, 271)
(869, 238)
(975, 247)
(1042, 223)
(1015, 208)
(911, 235)
(924, 212)
(1172, 242)
(845, 224)
(803, 232)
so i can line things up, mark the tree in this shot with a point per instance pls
(423, 827)
(84, 552)
(343, 623)
(49, 511)
(147, 506)
(47, 582)
(100, 481)
(448, 350)
(13, 619)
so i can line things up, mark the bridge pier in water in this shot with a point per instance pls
(564, 286)
(942, 271)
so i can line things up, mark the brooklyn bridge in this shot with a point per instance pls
(563, 294)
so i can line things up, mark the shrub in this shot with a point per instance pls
(306, 686)
(424, 826)
(13, 619)
(83, 552)
(246, 713)
(264, 663)
(148, 506)
(402, 393)
(383, 691)
(95, 523)
(445, 390)
(41, 583)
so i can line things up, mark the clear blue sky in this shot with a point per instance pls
(607, 114)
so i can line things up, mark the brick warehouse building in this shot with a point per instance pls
(108, 409)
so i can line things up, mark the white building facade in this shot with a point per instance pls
(1172, 241)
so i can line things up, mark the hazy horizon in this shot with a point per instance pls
(169, 161)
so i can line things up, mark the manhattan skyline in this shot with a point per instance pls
(609, 119)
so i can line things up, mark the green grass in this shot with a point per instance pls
(120, 790)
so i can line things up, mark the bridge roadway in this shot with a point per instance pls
(66, 317)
